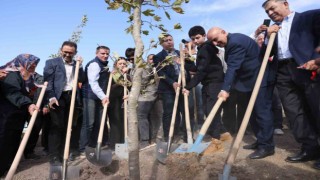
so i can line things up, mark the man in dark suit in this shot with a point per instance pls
(242, 58)
(210, 74)
(59, 73)
(169, 82)
(298, 36)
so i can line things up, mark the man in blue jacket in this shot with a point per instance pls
(59, 73)
(243, 60)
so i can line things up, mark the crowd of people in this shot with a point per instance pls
(218, 64)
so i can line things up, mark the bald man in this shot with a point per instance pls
(243, 59)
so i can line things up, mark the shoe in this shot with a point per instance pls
(261, 153)
(225, 136)
(316, 165)
(278, 132)
(302, 156)
(82, 155)
(251, 146)
(31, 156)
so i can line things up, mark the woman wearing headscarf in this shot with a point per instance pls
(17, 90)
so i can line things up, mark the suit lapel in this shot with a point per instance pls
(294, 27)
(61, 65)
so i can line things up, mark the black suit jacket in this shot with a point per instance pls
(55, 73)
(242, 58)
(209, 66)
(168, 72)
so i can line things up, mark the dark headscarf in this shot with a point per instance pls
(23, 61)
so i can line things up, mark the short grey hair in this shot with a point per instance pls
(267, 1)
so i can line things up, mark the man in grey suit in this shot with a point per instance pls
(59, 73)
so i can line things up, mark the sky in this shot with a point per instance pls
(39, 27)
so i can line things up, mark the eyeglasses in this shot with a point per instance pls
(66, 52)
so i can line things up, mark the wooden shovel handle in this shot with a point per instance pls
(125, 107)
(175, 106)
(26, 136)
(104, 112)
(186, 100)
(234, 149)
(210, 117)
(71, 111)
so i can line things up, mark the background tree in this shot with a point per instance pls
(136, 9)
(76, 34)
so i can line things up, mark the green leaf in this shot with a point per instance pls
(148, 12)
(178, 9)
(157, 18)
(129, 29)
(165, 1)
(145, 32)
(177, 3)
(114, 6)
(130, 18)
(177, 26)
(168, 15)
(126, 8)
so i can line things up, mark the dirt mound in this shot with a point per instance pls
(183, 166)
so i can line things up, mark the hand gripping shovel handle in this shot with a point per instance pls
(26, 136)
(235, 147)
(70, 119)
(173, 117)
(186, 100)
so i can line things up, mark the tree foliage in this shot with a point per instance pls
(76, 34)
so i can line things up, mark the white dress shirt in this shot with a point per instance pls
(93, 77)
(283, 37)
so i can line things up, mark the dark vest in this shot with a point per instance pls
(103, 79)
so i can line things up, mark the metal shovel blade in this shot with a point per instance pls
(226, 173)
(192, 148)
(103, 159)
(122, 151)
(73, 172)
(162, 148)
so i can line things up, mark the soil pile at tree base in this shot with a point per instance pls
(183, 166)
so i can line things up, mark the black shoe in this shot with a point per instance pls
(316, 165)
(31, 156)
(261, 153)
(302, 156)
(251, 146)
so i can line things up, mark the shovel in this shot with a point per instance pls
(97, 156)
(65, 172)
(163, 148)
(186, 105)
(26, 136)
(122, 149)
(235, 147)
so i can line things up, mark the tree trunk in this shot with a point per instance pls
(133, 137)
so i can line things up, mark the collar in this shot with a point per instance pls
(64, 61)
(289, 18)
